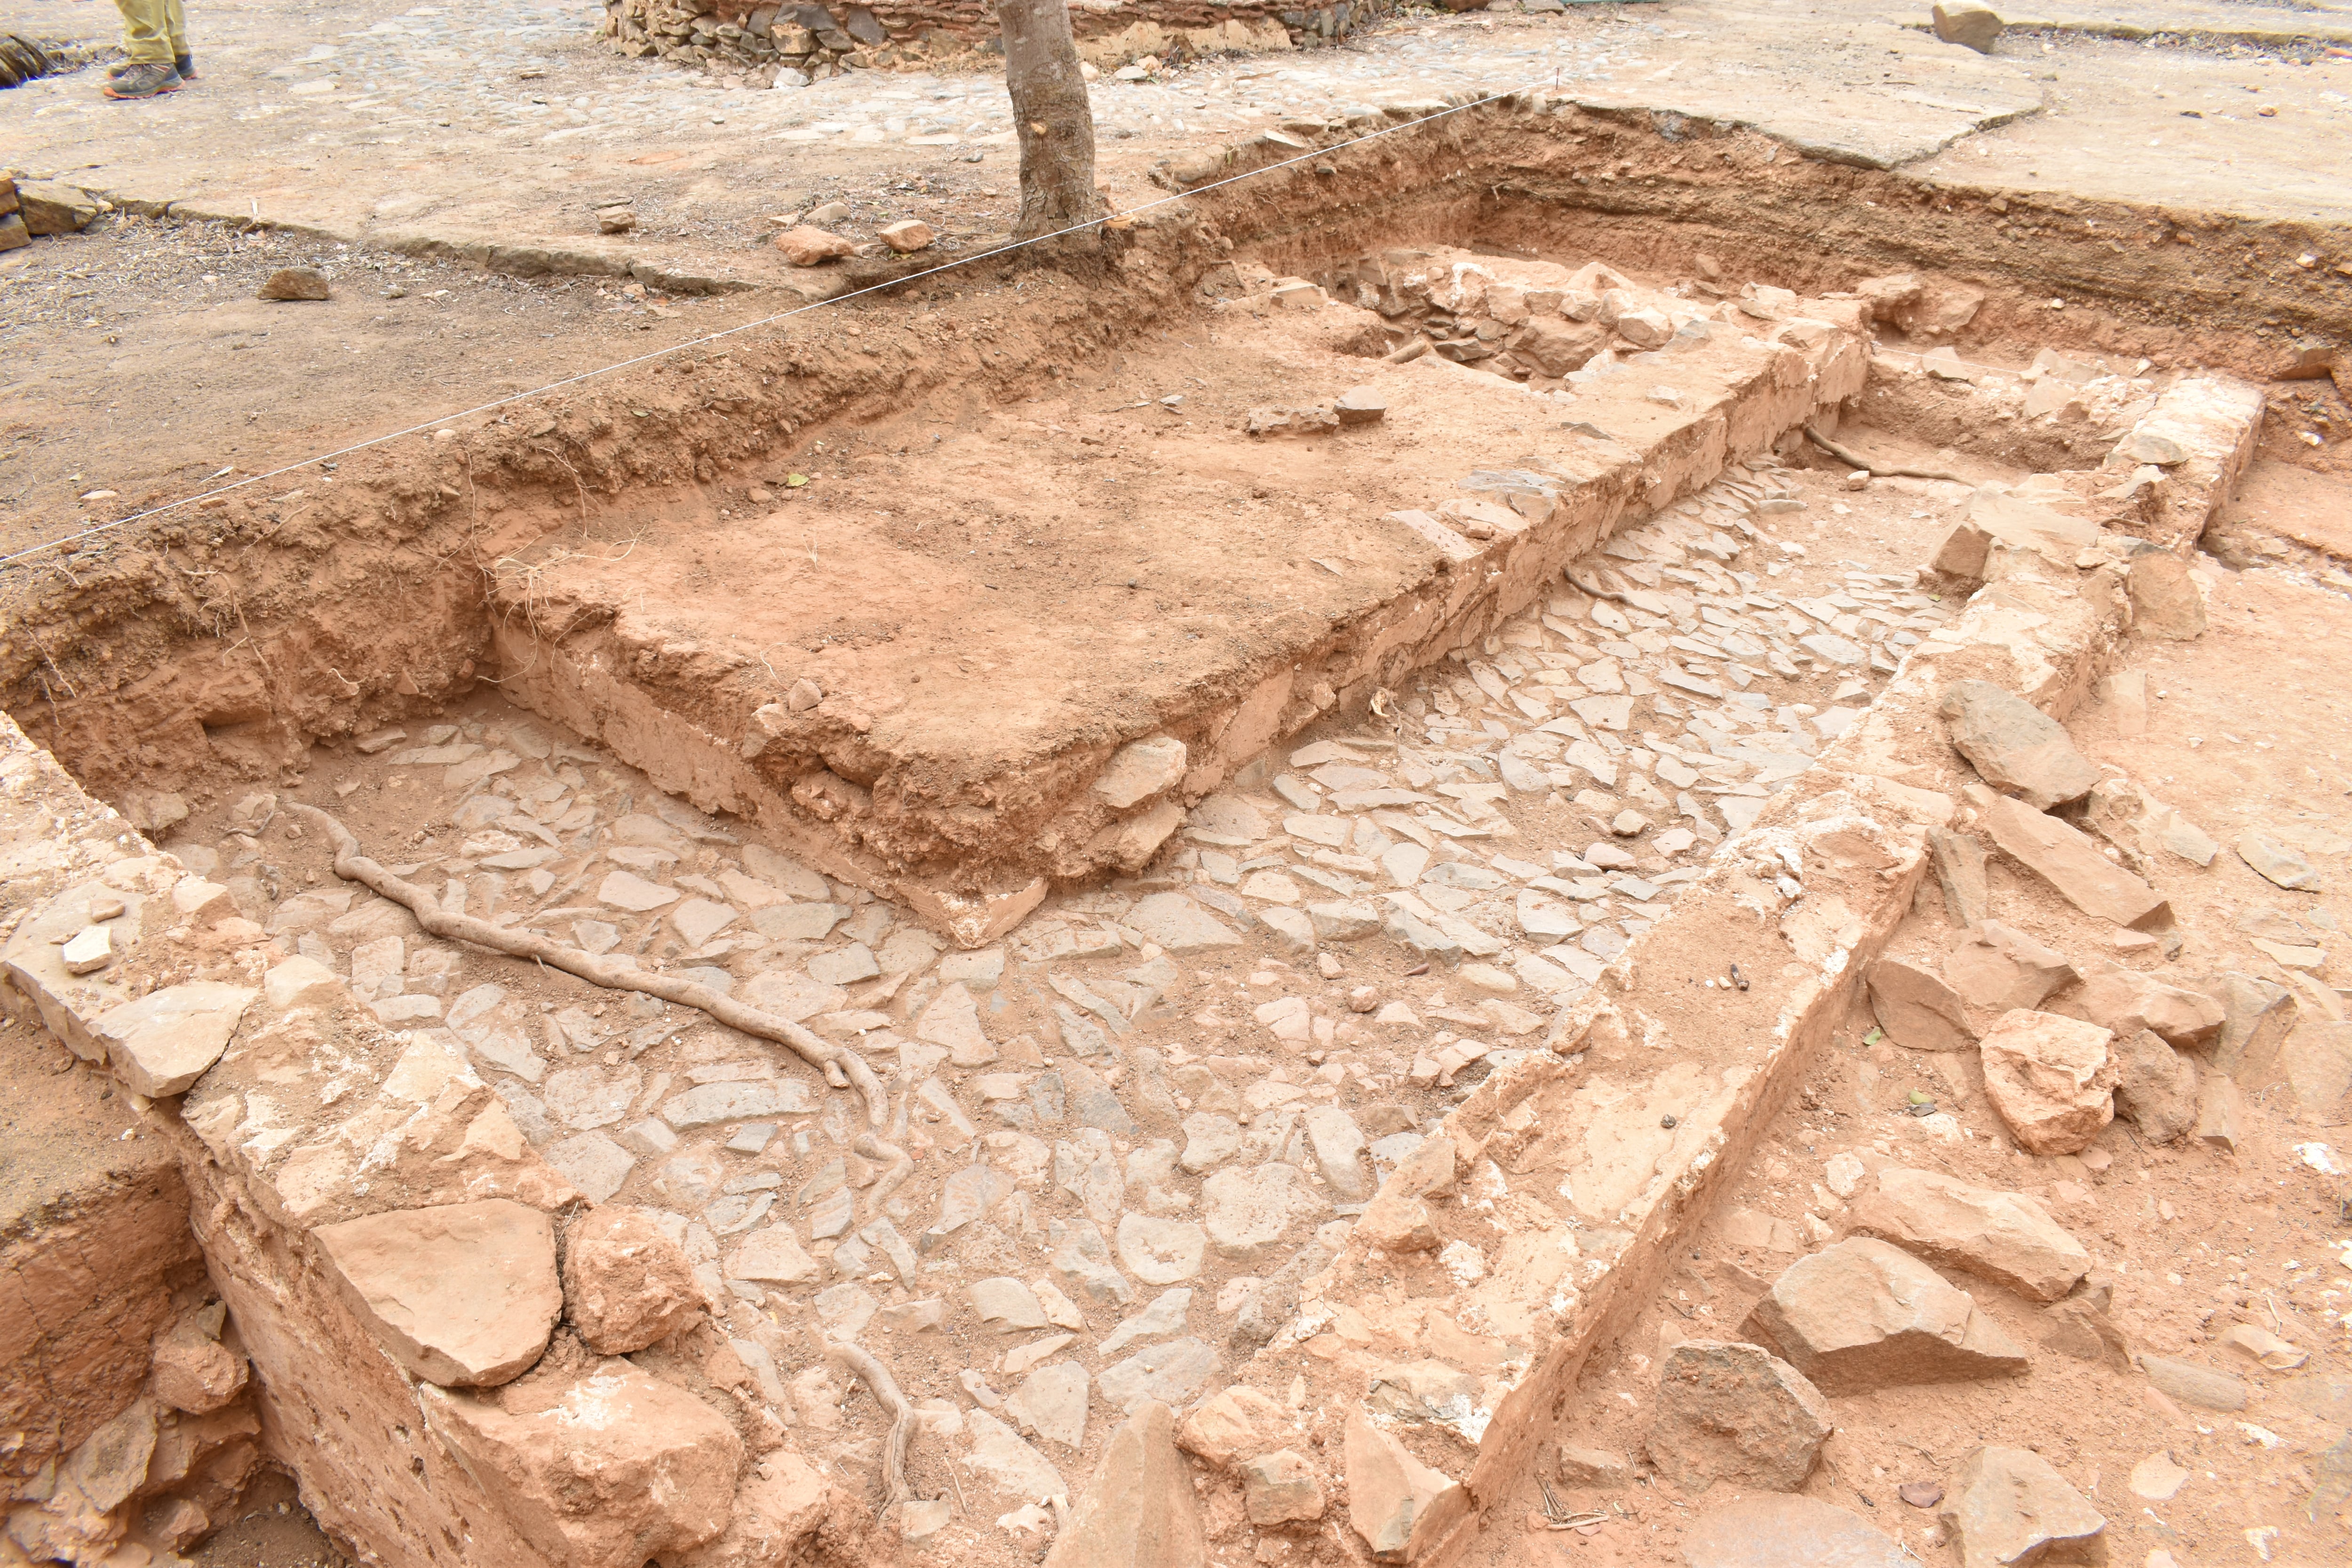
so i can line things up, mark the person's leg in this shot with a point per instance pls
(176, 28)
(146, 30)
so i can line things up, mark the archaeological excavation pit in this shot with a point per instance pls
(1256, 826)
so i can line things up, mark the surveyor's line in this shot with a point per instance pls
(558, 385)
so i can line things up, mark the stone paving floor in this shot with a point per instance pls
(1143, 1120)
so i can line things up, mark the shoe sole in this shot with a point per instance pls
(137, 96)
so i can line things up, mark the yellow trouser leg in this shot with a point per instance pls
(150, 28)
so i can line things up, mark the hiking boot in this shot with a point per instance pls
(145, 80)
(184, 64)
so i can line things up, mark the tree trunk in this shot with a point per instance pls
(1050, 112)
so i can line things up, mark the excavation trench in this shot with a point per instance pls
(1423, 563)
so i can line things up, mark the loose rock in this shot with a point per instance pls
(294, 283)
(2007, 1238)
(2015, 746)
(2009, 1506)
(907, 235)
(2051, 1079)
(1918, 1011)
(192, 1371)
(1361, 405)
(1966, 22)
(1595, 1468)
(2126, 1002)
(2067, 859)
(1999, 969)
(1863, 1314)
(1236, 1421)
(2276, 862)
(1138, 1510)
(2157, 1091)
(1735, 1413)
(2194, 1384)
(2166, 601)
(626, 1285)
(2078, 1326)
(1280, 1489)
(807, 247)
(1389, 1490)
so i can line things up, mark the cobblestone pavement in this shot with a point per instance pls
(1142, 1121)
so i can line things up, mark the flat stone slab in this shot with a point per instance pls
(462, 1295)
(2069, 861)
(2007, 1238)
(711, 1102)
(162, 1043)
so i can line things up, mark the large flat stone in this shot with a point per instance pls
(463, 1295)
(2007, 1238)
(609, 1467)
(165, 1041)
(1249, 1211)
(1180, 925)
(2067, 859)
(1788, 1532)
(2016, 747)
(1863, 1314)
(743, 1102)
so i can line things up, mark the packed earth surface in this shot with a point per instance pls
(1589, 805)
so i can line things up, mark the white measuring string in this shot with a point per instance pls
(512, 398)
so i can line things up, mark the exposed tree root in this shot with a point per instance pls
(841, 1068)
(878, 1377)
(1585, 582)
(1876, 470)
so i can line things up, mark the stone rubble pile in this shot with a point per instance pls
(795, 45)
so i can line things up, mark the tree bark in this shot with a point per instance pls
(1051, 113)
